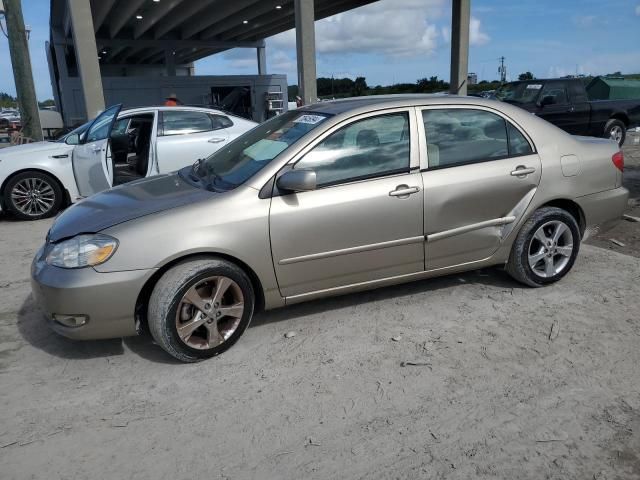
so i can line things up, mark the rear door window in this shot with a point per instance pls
(181, 122)
(457, 136)
(518, 144)
(221, 121)
(461, 136)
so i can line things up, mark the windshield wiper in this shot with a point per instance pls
(213, 178)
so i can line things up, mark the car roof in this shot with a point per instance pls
(162, 108)
(374, 102)
(178, 107)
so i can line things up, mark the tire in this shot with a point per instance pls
(615, 130)
(199, 279)
(33, 195)
(522, 264)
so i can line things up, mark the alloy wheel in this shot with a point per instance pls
(33, 196)
(616, 133)
(209, 312)
(550, 249)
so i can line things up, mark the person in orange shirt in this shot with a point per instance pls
(172, 101)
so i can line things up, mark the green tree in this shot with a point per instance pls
(47, 103)
(359, 86)
(7, 101)
(526, 76)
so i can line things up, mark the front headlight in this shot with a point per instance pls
(82, 251)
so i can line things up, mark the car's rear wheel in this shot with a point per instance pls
(199, 308)
(545, 248)
(33, 195)
(615, 130)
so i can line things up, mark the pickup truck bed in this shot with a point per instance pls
(565, 103)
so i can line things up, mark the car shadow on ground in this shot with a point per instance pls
(495, 277)
(34, 329)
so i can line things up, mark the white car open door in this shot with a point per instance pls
(92, 166)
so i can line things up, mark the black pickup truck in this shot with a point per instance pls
(565, 103)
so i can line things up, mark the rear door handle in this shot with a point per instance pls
(216, 140)
(522, 171)
(404, 191)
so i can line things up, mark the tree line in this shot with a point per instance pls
(346, 87)
(9, 101)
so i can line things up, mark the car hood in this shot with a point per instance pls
(31, 148)
(124, 203)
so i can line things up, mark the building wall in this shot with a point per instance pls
(137, 91)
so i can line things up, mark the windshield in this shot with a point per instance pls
(79, 130)
(519, 92)
(235, 163)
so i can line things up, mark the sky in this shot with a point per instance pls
(394, 41)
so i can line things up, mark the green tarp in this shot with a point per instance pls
(603, 88)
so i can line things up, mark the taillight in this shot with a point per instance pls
(618, 160)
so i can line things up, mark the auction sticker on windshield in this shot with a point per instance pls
(310, 119)
(534, 86)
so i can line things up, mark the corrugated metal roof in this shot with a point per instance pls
(139, 31)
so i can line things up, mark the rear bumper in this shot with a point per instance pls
(603, 210)
(106, 300)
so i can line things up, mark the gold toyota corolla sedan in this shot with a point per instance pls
(328, 199)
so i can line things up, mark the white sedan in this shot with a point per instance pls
(38, 179)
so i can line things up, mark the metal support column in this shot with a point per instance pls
(306, 50)
(87, 56)
(460, 17)
(262, 60)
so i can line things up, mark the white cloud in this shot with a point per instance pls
(388, 27)
(476, 35)
(638, 10)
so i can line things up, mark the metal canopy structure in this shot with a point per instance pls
(99, 39)
(141, 31)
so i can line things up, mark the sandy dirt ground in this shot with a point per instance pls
(466, 376)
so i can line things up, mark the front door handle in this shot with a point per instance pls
(403, 191)
(216, 140)
(522, 171)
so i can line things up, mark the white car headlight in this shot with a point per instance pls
(82, 251)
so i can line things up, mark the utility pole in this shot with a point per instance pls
(502, 71)
(22, 74)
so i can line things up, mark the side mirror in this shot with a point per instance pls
(72, 139)
(302, 180)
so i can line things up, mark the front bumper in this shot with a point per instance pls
(108, 300)
(603, 210)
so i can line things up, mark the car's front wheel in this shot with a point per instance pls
(199, 308)
(33, 195)
(545, 248)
